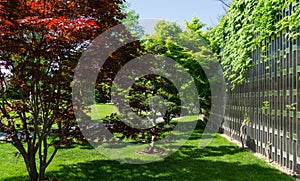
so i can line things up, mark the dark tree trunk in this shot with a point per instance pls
(42, 175)
(29, 159)
(33, 175)
(31, 168)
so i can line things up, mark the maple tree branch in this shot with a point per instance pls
(51, 157)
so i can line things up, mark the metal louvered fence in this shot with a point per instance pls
(270, 99)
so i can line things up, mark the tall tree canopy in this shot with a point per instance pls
(187, 47)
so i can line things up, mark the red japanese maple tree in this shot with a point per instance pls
(40, 44)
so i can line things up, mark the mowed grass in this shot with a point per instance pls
(100, 111)
(220, 160)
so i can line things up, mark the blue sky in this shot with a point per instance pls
(208, 11)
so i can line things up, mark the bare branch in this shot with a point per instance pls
(224, 3)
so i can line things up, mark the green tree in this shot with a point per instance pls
(168, 41)
(187, 47)
(153, 102)
(132, 21)
(165, 30)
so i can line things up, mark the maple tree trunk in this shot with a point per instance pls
(31, 168)
(33, 174)
(42, 160)
(42, 175)
(31, 165)
(29, 159)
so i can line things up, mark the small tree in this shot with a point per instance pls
(40, 44)
(158, 98)
(153, 102)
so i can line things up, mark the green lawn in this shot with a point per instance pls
(221, 160)
(100, 111)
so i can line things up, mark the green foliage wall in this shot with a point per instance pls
(244, 27)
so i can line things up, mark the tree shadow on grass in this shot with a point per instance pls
(183, 165)
(188, 152)
(188, 163)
